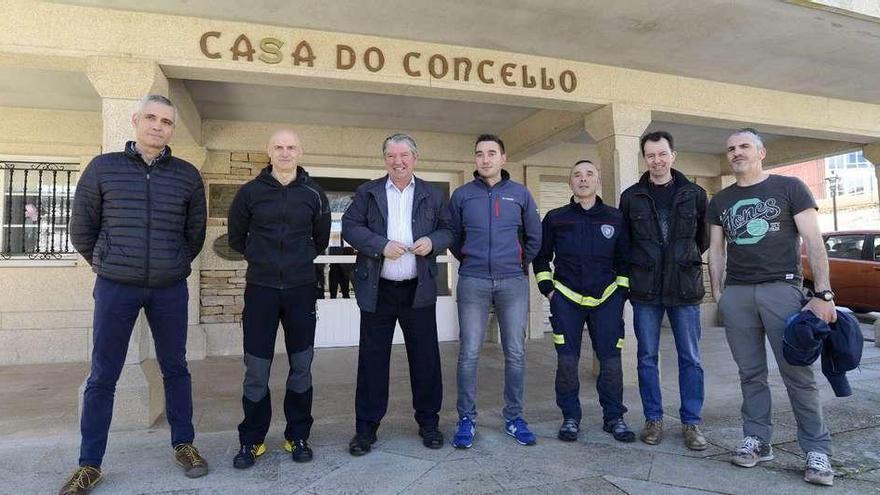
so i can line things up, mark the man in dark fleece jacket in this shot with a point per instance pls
(280, 221)
(139, 220)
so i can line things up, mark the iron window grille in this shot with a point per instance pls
(35, 207)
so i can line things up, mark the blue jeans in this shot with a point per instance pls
(685, 321)
(511, 299)
(116, 309)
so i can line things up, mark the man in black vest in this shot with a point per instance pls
(139, 220)
(666, 218)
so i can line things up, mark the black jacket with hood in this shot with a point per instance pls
(280, 229)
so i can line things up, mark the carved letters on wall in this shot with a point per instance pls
(270, 50)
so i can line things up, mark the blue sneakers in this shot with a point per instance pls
(519, 429)
(464, 434)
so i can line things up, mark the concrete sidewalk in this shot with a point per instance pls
(39, 435)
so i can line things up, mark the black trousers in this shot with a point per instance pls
(420, 335)
(339, 278)
(264, 308)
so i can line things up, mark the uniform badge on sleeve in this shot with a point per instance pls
(607, 231)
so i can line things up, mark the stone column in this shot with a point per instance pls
(617, 128)
(872, 153)
(120, 83)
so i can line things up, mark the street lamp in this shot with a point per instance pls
(832, 182)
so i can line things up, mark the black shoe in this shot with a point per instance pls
(619, 430)
(568, 432)
(247, 455)
(300, 450)
(361, 444)
(431, 437)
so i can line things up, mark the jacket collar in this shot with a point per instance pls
(132, 151)
(376, 188)
(505, 176)
(678, 179)
(574, 205)
(267, 177)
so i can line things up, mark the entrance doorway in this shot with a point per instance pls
(338, 315)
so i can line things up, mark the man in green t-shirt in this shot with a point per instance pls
(755, 229)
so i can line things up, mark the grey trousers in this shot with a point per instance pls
(751, 313)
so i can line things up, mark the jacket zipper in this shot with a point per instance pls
(659, 289)
(149, 221)
(490, 233)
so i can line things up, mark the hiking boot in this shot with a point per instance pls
(619, 430)
(361, 444)
(818, 470)
(300, 450)
(431, 437)
(693, 437)
(652, 433)
(247, 455)
(751, 451)
(188, 457)
(519, 429)
(464, 433)
(82, 481)
(568, 432)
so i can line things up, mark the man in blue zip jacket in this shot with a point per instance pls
(280, 221)
(497, 233)
(588, 244)
(398, 224)
(139, 220)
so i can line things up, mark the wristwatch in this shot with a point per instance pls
(825, 295)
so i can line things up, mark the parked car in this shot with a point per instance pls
(854, 261)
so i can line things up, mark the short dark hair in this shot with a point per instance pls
(489, 137)
(655, 137)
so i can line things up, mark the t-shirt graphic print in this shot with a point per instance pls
(763, 244)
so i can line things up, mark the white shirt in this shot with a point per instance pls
(400, 205)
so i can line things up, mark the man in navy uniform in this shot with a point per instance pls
(588, 244)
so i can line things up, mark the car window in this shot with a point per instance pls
(877, 248)
(846, 246)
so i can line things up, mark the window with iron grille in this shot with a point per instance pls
(35, 206)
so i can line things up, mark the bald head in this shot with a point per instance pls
(284, 150)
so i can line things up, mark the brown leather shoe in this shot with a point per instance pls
(693, 437)
(188, 457)
(652, 433)
(81, 481)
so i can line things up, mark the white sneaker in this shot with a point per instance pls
(818, 470)
(752, 451)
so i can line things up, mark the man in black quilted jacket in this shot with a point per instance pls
(280, 221)
(139, 221)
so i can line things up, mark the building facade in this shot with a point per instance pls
(72, 74)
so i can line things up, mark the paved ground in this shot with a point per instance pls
(39, 439)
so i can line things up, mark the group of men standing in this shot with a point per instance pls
(139, 220)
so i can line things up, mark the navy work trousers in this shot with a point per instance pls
(605, 324)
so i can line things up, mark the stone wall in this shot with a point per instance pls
(222, 291)
(222, 296)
